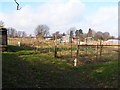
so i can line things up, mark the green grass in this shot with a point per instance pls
(23, 67)
(13, 48)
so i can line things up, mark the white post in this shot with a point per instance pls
(18, 43)
(75, 62)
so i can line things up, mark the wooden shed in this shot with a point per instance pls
(3, 39)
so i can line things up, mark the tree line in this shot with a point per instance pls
(42, 31)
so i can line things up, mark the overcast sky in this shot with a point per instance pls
(60, 15)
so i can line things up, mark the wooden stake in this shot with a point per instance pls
(86, 45)
(55, 55)
(71, 47)
(77, 53)
(75, 62)
(100, 48)
(97, 52)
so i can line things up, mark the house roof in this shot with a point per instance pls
(48, 37)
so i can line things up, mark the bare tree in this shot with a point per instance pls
(11, 32)
(71, 29)
(1, 23)
(41, 31)
(24, 34)
(71, 33)
(102, 36)
(16, 34)
(19, 33)
(106, 35)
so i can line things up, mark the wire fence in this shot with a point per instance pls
(81, 52)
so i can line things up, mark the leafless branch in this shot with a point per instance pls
(17, 5)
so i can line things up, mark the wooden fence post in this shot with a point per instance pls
(101, 48)
(55, 54)
(71, 46)
(97, 52)
(77, 53)
(86, 45)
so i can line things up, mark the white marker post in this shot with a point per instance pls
(18, 43)
(75, 62)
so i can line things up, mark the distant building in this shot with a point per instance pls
(48, 37)
(114, 41)
(89, 38)
(66, 38)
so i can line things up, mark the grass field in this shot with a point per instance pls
(24, 67)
